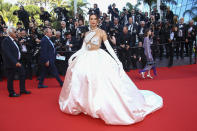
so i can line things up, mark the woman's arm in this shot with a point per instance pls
(110, 50)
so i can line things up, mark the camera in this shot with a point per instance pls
(25, 39)
(94, 11)
(80, 31)
(111, 32)
(110, 9)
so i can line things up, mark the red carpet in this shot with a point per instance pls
(40, 111)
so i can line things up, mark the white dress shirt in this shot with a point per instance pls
(19, 53)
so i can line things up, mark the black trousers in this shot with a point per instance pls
(181, 41)
(190, 45)
(52, 69)
(1, 67)
(171, 54)
(125, 58)
(26, 60)
(10, 75)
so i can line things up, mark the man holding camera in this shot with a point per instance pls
(26, 52)
(140, 31)
(44, 15)
(181, 38)
(124, 41)
(155, 14)
(80, 31)
(23, 16)
(63, 29)
(113, 11)
(191, 32)
(125, 17)
(132, 28)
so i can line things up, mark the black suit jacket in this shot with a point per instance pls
(47, 52)
(125, 39)
(10, 53)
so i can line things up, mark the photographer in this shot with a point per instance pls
(172, 41)
(140, 31)
(70, 25)
(139, 16)
(26, 48)
(133, 15)
(19, 26)
(169, 15)
(181, 38)
(70, 43)
(95, 10)
(146, 18)
(23, 16)
(63, 29)
(132, 28)
(191, 32)
(117, 27)
(58, 41)
(36, 38)
(58, 44)
(44, 15)
(124, 17)
(106, 25)
(61, 13)
(2, 23)
(124, 41)
(155, 14)
(80, 33)
(112, 40)
(165, 34)
(158, 35)
(113, 11)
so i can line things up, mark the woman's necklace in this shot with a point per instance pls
(94, 30)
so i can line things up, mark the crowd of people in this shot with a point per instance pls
(125, 30)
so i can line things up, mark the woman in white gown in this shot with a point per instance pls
(96, 84)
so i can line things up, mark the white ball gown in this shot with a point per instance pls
(97, 86)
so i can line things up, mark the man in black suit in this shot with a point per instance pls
(191, 32)
(124, 41)
(11, 57)
(47, 58)
(132, 28)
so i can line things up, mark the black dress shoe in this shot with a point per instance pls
(61, 84)
(14, 95)
(42, 86)
(25, 92)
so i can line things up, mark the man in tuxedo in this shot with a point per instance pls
(181, 38)
(132, 28)
(140, 31)
(63, 29)
(124, 41)
(11, 57)
(191, 32)
(47, 58)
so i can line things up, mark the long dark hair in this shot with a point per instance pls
(146, 32)
(92, 13)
